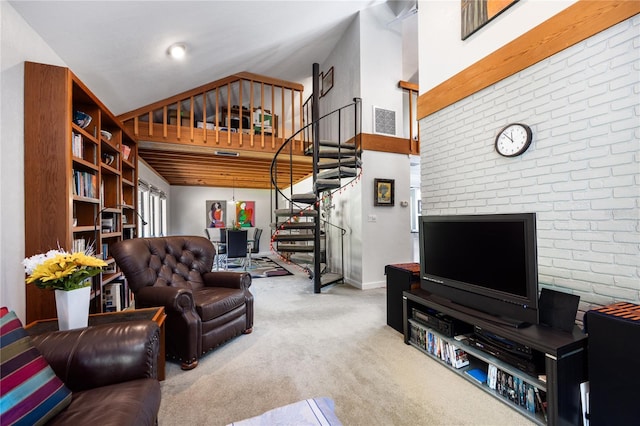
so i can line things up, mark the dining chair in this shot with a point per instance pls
(218, 236)
(236, 246)
(255, 246)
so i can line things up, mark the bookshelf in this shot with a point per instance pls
(562, 357)
(75, 177)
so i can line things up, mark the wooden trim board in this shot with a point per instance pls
(573, 25)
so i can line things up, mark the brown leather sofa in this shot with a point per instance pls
(204, 309)
(111, 370)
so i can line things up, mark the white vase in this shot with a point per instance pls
(73, 308)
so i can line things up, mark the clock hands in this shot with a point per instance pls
(510, 137)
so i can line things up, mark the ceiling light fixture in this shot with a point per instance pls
(177, 51)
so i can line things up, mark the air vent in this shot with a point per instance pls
(384, 121)
(227, 153)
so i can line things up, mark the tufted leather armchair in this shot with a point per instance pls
(204, 309)
(111, 369)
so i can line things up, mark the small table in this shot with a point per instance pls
(156, 315)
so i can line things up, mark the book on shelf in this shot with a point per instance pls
(461, 359)
(108, 224)
(79, 245)
(515, 389)
(84, 184)
(477, 374)
(540, 404)
(429, 341)
(112, 299)
(530, 398)
(77, 147)
(492, 376)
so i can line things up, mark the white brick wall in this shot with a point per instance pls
(581, 174)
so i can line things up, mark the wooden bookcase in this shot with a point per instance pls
(75, 178)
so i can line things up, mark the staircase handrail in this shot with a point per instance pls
(289, 140)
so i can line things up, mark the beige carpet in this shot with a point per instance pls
(334, 344)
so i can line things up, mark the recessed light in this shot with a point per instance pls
(177, 50)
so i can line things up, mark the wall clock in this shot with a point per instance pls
(513, 140)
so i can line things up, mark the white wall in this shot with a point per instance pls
(581, 175)
(18, 43)
(381, 66)
(386, 231)
(368, 63)
(443, 53)
(345, 60)
(188, 209)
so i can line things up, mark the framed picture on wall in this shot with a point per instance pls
(216, 213)
(383, 192)
(327, 81)
(477, 13)
(245, 214)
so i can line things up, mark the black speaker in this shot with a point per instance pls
(614, 332)
(558, 310)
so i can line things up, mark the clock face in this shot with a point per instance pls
(513, 140)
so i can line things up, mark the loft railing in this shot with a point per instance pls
(411, 102)
(243, 110)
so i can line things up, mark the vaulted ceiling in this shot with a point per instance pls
(119, 50)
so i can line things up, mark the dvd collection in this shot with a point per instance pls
(424, 338)
(510, 387)
(517, 390)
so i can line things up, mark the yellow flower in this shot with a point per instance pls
(62, 271)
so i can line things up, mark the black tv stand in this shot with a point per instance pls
(564, 355)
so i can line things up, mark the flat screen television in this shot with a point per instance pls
(485, 265)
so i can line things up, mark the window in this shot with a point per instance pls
(143, 208)
(152, 205)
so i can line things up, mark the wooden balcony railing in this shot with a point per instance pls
(414, 127)
(243, 111)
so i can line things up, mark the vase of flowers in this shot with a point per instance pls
(69, 274)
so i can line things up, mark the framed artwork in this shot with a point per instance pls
(216, 213)
(383, 193)
(245, 214)
(477, 13)
(327, 82)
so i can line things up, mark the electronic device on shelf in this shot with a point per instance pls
(482, 263)
(530, 366)
(510, 346)
(441, 323)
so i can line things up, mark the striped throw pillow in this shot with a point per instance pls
(30, 392)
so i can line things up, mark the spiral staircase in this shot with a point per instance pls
(303, 233)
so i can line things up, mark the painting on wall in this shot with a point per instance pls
(216, 213)
(245, 214)
(477, 13)
(327, 82)
(383, 194)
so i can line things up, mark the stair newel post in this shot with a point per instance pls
(315, 114)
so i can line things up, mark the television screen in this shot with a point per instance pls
(485, 262)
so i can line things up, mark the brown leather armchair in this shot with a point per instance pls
(204, 309)
(111, 369)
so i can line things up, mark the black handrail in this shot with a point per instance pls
(278, 192)
(288, 141)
